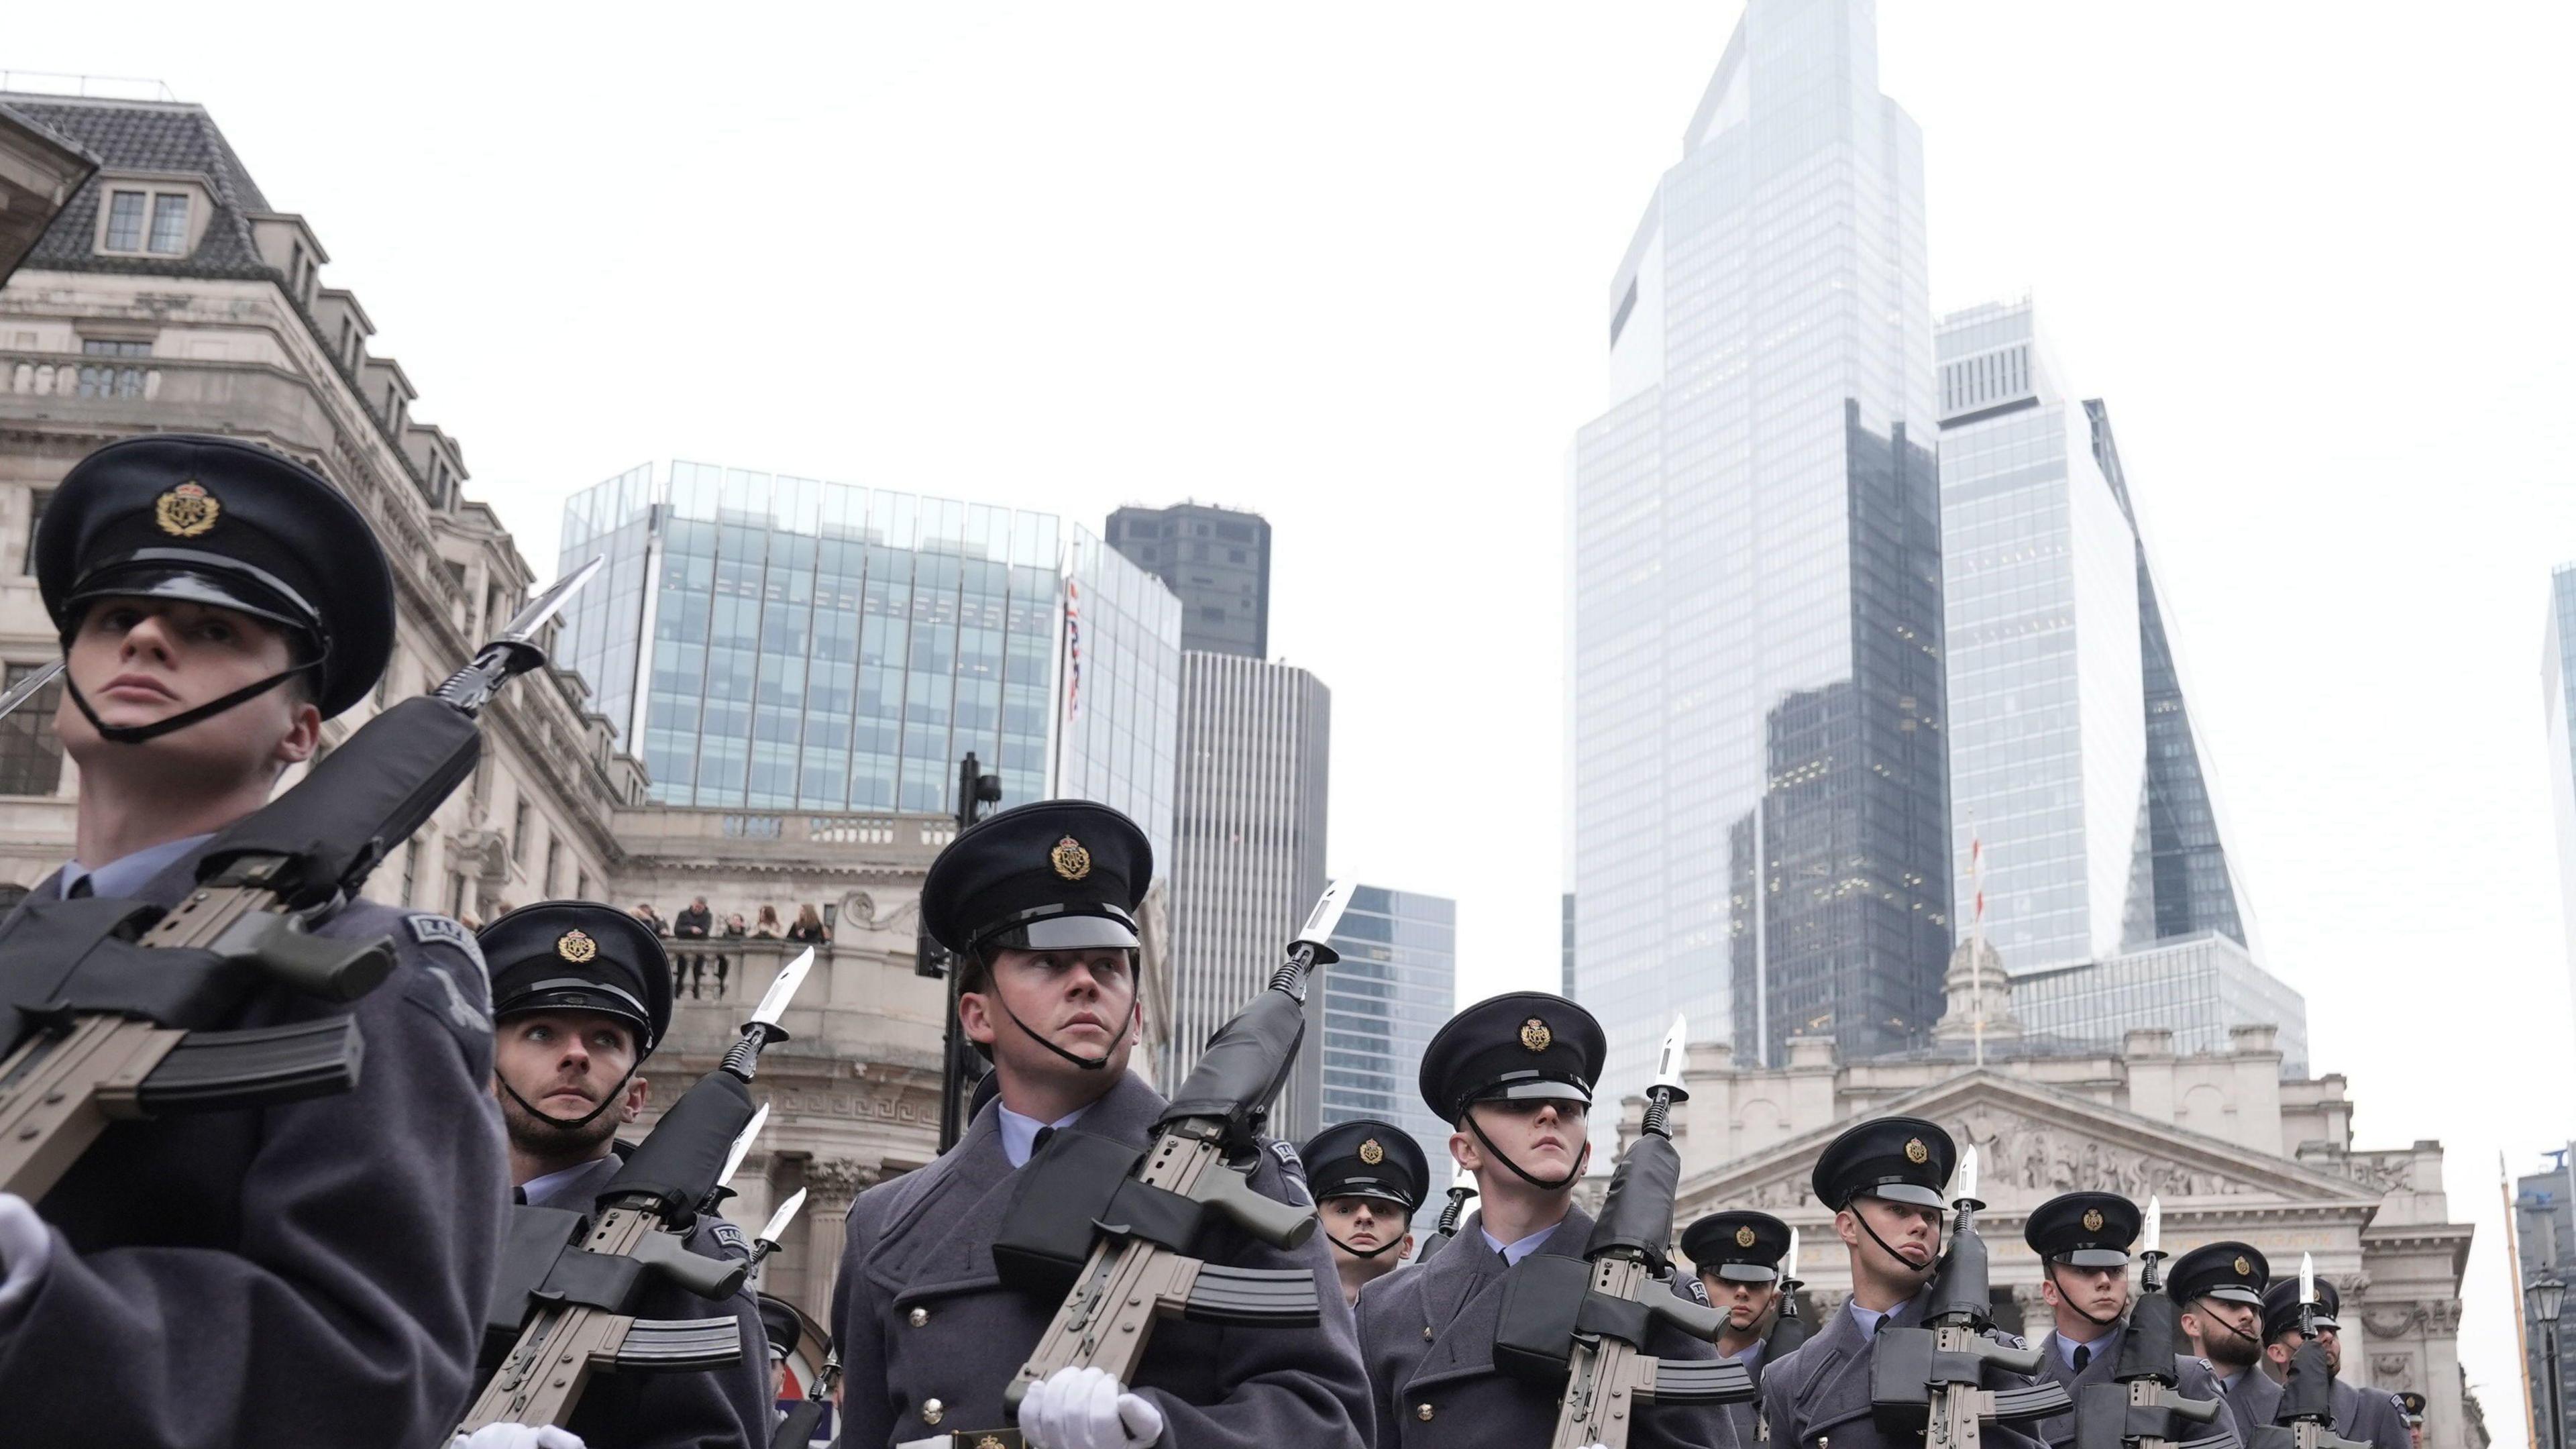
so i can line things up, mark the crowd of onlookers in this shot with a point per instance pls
(698, 923)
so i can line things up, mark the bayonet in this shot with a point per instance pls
(776, 1228)
(523, 625)
(25, 689)
(1326, 917)
(515, 651)
(1668, 1062)
(763, 1028)
(2140, 1408)
(742, 1145)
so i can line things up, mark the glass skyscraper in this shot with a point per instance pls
(2558, 706)
(2198, 987)
(774, 643)
(1761, 811)
(1396, 983)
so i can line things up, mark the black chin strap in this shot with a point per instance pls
(1521, 1172)
(577, 1123)
(1863, 1219)
(137, 734)
(2048, 1269)
(1088, 1065)
(2233, 1329)
(1395, 1242)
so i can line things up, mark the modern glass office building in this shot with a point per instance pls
(2558, 707)
(1396, 983)
(774, 643)
(2200, 988)
(1761, 813)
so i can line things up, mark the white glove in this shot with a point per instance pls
(518, 1436)
(1084, 1408)
(25, 1248)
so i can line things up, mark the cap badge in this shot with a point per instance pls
(576, 946)
(2244, 1269)
(1744, 1237)
(1069, 858)
(187, 510)
(2092, 1220)
(1535, 1035)
(1371, 1153)
(1916, 1152)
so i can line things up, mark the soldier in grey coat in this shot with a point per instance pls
(2219, 1288)
(309, 1273)
(2082, 1239)
(1515, 1073)
(582, 995)
(1036, 902)
(1737, 1257)
(1883, 1179)
(2372, 1416)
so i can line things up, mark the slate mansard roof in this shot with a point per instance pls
(164, 136)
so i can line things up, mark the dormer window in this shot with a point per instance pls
(149, 217)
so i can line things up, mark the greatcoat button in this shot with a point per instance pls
(931, 1409)
(1422, 1412)
(1426, 1333)
(917, 1317)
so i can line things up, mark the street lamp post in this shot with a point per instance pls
(2548, 1296)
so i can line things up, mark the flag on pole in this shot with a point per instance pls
(1072, 649)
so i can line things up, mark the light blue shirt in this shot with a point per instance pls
(2066, 1346)
(1867, 1318)
(1514, 1252)
(125, 876)
(536, 1188)
(1020, 1134)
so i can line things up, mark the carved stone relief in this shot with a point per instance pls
(2043, 1160)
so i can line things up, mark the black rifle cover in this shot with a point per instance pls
(1075, 1188)
(1787, 1333)
(2147, 1349)
(797, 1429)
(358, 802)
(1959, 1292)
(536, 1237)
(60, 958)
(1542, 1304)
(1243, 1067)
(678, 1162)
(1637, 1212)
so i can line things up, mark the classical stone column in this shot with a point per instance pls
(831, 1185)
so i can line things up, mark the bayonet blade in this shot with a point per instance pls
(1789, 1273)
(25, 689)
(1967, 1178)
(2307, 1278)
(1668, 1064)
(523, 626)
(774, 1002)
(742, 1145)
(779, 1220)
(2152, 1235)
(1326, 916)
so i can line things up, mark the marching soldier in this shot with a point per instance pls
(2219, 1288)
(1737, 1257)
(582, 995)
(311, 1273)
(2411, 1404)
(2082, 1239)
(1037, 904)
(784, 1329)
(1515, 1074)
(1368, 1178)
(1883, 1179)
(2359, 1413)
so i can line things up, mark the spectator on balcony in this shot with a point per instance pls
(734, 927)
(692, 925)
(644, 913)
(767, 927)
(809, 927)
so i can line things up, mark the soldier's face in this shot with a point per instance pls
(566, 1063)
(2287, 1344)
(2099, 1292)
(1545, 1135)
(2224, 1331)
(1364, 1223)
(139, 661)
(1744, 1304)
(1084, 1001)
(1912, 1233)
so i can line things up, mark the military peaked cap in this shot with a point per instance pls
(1052, 875)
(2281, 1307)
(1521, 1045)
(1739, 1246)
(579, 956)
(1366, 1158)
(2230, 1272)
(219, 521)
(2084, 1229)
(2412, 1403)
(780, 1322)
(1902, 1159)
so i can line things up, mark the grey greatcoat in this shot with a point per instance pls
(921, 1315)
(313, 1273)
(1427, 1334)
(2193, 1378)
(725, 1408)
(2366, 1414)
(1821, 1391)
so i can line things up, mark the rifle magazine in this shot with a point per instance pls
(1253, 1297)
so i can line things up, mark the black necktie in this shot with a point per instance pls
(519, 1195)
(1038, 1143)
(81, 890)
(2083, 1356)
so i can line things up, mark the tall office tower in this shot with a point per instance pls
(2073, 759)
(1217, 560)
(2558, 705)
(1396, 983)
(1761, 809)
(780, 643)
(1248, 854)
(2545, 1236)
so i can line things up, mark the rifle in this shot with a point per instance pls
(797, 1429)
(2305, 1419)
(569, 1282)
(1789, 1330)
(1582, 1323)
(119, 1004)
(2141, 1410)
(1930, 1381)
(1138, 1271)
(1459, 1192)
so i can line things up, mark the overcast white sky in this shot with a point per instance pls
(1345, 264)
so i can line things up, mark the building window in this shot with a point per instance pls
(411, 871)
(519, 833)
(125, 221)
(169, 223)
(31, 756)
(108, 380)
(554, 860)
(456, 894)
(37, 498)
